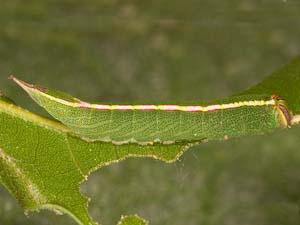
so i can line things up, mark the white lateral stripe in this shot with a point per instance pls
(192, 108)
(213, 107)
(145, 107)
(169, 107)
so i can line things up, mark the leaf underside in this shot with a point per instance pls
(42, 162)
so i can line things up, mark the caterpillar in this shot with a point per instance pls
(164, 124)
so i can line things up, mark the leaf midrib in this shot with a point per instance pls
(25, 115)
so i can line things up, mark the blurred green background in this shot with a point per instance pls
(163, 50)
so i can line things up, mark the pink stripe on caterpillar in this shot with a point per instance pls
(87, 105)
(213, 107)
(192, 108)
(169, 107)
(146, 107)
(123, 107)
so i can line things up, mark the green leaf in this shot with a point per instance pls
(285, 82)
(132, 220)
(42, 162)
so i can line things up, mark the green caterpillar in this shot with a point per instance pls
(166, 124)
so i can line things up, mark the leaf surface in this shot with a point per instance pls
(285, 82)
(42, 163)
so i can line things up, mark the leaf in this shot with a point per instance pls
(42, 162)
(132, 220)
(285, 82)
